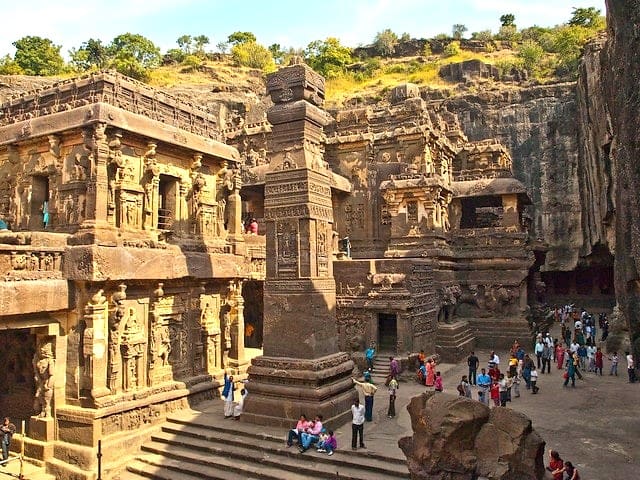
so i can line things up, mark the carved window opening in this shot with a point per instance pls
(481, 212)
(167, 201)
(412, 213)
(39, 218)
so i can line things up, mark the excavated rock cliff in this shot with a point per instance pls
(539, 126)
(623, 99)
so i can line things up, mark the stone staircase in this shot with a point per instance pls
(208, 447)
(380, 368)
(499, 334)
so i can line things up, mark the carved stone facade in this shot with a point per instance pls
(122, 268)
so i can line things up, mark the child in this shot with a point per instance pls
(438, 382)
(614, 364)
(534, 379)
(329, 444)
(495, 393)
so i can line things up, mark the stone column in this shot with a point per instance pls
(301, 369)
(94, 344)
(235, 300)
(95, 227)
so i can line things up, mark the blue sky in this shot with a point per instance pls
(288, 22)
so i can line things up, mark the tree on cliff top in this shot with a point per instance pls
(237, 38)
(385, 42)
(253, 55)
(587, 17)
(328, 57)
(508, 20)
(92, 55)
(458, 30)
(133, 55)
(38, 56)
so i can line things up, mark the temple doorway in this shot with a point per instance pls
(252, 292)
(16, 375)
(387, 332)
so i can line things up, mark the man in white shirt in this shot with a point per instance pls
(494, 358)
(631, 367)
(357, 424)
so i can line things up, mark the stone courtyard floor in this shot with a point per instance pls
(595, 425)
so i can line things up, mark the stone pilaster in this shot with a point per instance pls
(94, 346)
(301, 369)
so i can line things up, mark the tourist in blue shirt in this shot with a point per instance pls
(484, 382)
(369, 354)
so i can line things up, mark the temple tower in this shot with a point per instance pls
(301, 370)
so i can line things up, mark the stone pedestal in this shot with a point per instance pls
(454, 341)
(301, 370)
(41, 429)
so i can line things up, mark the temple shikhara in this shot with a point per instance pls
(129, 284)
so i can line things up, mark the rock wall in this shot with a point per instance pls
(621, 90)
(538, 125)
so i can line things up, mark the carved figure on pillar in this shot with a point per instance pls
(115, 320)
(44, 371)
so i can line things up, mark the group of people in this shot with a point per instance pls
(560, 468)
(311, 432)
(232, 409)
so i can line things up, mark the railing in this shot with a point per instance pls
(165, 219)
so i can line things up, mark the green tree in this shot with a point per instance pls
(452, 49)
(253, 55)
(458, 30)
(483, 35)
(508, 20)
(8, 66)
(567, 41)
(508, 33)
(184, 42)
(534, 33)
(531, 54)
(589, 17)
(133, 55)
(237, 38)
(405, 37)
(385, 42)
(199, 43)
(328, 57)
(92, 55)
(222, 46)
(38, 56)
(276, 52)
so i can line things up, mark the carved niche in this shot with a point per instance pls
(287, 248)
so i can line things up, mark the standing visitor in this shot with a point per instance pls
(534, 380)
(570, 374)
(227, 395)
(431, 376)
(538, 349)
(560, 356)
(394, 368)
(502, 390)
(484, 382)
(7, 429)
(614, 364)
(495, 393)
(547, 355)
(237, 410)
(631, 367)
(368, 390)
(599, 361)
(393, 387)
(473, 362)
(357, 424)
(369, 354)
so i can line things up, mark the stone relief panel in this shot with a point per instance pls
(287, 248)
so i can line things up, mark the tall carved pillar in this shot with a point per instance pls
(236, 304)
(94, 345)
(95, 225)
(301, 369)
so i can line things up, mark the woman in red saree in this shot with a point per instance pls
(560, 356)
(431, 373)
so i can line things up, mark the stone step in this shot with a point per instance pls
(257, 466)
(159, 467)
(197, 438)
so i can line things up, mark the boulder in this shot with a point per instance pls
(456, 438)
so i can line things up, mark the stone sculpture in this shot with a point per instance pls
(44, 370)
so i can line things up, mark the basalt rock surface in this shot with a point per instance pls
(621, 89)
(457, 438)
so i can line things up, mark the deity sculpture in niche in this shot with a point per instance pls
(44, 376)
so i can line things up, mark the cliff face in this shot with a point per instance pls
(539, 126)
(595, 162)
(621, 89)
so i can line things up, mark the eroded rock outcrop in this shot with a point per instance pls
(456, 438)
(621, 89)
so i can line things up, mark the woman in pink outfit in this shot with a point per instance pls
(560, 356)
(431, 373)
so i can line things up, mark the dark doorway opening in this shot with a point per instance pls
(387, 332)
(167, 193)
(252, 292)
(39, 203)
(16, 375)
